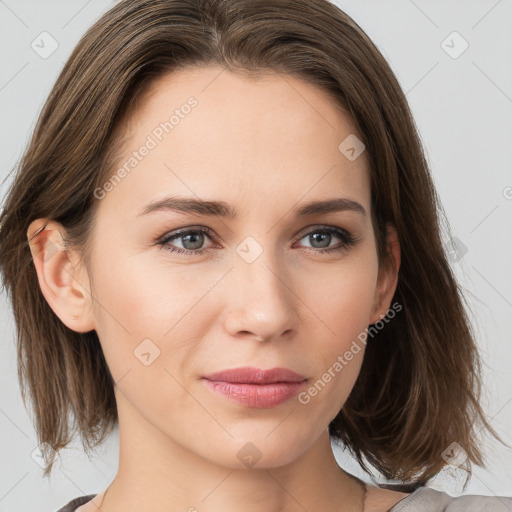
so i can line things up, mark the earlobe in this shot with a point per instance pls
(388, 277)
(61, 283)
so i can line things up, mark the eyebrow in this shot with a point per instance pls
(222, 209)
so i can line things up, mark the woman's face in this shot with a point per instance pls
(254, 289)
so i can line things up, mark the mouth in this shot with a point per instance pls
(254, 387)
(252, 375)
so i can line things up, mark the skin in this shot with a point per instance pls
(265, 147)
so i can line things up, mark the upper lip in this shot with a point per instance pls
(252, 375)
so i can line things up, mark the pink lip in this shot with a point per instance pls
(254, 387)
(251, 375)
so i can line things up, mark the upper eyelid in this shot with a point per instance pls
(320, 227)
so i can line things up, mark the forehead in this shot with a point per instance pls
(213, 134)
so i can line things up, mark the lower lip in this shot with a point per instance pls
(256, 395)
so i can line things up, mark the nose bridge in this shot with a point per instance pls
(262, 303)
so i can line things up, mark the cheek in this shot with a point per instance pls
(142, 321)
(142, 295)
(143, 304)
(344, 305)
(343, 298)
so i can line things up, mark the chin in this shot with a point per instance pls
(254, 451)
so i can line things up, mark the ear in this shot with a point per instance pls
(64, 284)
(387, 279)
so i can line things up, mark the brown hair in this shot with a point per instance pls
(419, 386)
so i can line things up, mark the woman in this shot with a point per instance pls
(234, 254)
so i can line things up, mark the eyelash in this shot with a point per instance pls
(347, 240)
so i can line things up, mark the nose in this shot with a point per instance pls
(259, 300)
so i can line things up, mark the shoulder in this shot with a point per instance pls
(425, 498)
(76, 502)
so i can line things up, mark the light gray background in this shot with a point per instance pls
(463, 109)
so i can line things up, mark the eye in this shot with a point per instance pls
(191, 239)
(321, 238)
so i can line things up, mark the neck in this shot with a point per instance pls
(156, 473)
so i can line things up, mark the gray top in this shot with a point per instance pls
(423, 499)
